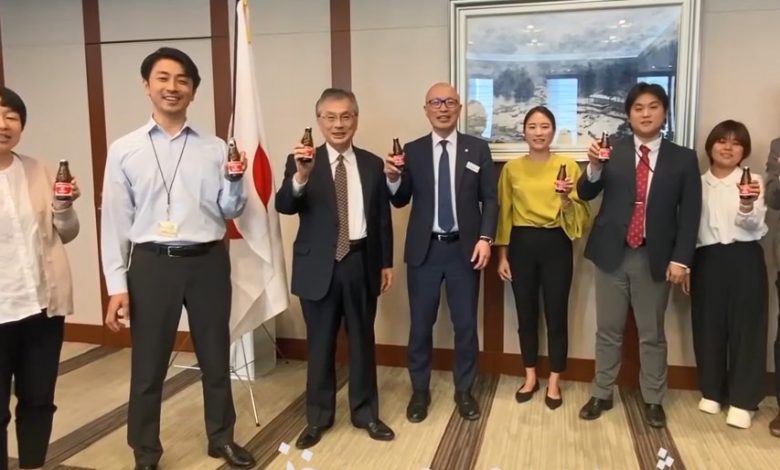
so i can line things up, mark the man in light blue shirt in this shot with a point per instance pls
(165, 200)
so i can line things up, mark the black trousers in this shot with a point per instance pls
(30, 354)
(444, 263)
(347, 297)
(541, 257)
(159, 286)
(729, 310)
(777, 345)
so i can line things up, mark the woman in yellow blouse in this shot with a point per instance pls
(538, 219)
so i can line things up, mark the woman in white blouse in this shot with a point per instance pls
(35, 288)
(728, 282)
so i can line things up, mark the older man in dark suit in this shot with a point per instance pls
(342, 261)
(452, 180)
(643, 240)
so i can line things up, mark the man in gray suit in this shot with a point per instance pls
(643, 239)
(451, 228)
(773, 200)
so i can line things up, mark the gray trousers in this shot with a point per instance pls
(631, 284)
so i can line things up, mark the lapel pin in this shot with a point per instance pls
(466, 149)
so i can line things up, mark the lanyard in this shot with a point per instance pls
(175, 171)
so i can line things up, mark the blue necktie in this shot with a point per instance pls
(446, 217)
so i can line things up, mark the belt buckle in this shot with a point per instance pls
(170, 254)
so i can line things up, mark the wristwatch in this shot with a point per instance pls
(487, 239)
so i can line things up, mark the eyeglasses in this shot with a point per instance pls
(331, 119)
(448, 103)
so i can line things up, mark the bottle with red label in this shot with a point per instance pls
(63, 188)
(744, 184)
(398, 154)
(560, 180)
(605, 149)
(235, 166)
(308, 141)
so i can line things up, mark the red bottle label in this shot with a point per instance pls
(604, 153)
(235, 168)
(63, 189)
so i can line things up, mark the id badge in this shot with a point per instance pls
(168, 229)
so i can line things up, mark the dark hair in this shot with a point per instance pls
(640, 89)
(541, 110)
(10, 99)
(336, 94)
(190, 69)
(725, 129)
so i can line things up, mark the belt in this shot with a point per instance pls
(177, 251)
(357, 245)
(445, 237)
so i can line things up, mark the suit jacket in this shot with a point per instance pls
(475, 193)
(772, 190)
(314, 249)
(672, 214)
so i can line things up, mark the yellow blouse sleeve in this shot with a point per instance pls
(575, 218)
(504, 206)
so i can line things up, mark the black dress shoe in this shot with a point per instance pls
(522, 397)
(310, 436)
(467, 406)
(417, 410)
(235, 455)
(655, 416)
(593, 408)
(552, 403)
(148, 466)
(377, 430)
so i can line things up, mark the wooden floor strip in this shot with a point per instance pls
(69, 365)
(71, 444)
(15, 464)
(459, 446)
(647, 440)
(285, 427)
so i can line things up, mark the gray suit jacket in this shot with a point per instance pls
(772, 190)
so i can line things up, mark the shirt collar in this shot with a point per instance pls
(333, 154)
(653, 145)
(452, 138)
(151, 125)
(730, 180)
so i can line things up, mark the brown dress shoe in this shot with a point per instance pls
(774, 426)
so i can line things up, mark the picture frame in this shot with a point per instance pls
(578, 58)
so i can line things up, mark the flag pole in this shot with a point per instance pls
(235, 69)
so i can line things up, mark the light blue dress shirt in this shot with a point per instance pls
(135, 198)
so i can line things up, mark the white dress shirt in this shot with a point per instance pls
(355, 209)
(23, 291)
(135, 199)
(452, 151)
(721, 220)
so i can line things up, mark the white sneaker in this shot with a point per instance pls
(739, 418)
(709, 406)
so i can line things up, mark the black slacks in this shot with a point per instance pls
(159, 286)
(729, 313)
(347, 297)
(30, 354)
(541, 257)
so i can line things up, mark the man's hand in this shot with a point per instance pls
(593, 156)
(675, 274)
(244, 164)
(118, 311)
(303, 163)
(391, 171)
(481, 255)
(387, 279)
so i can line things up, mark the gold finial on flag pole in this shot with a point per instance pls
(246, 22)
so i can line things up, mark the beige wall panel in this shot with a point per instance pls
(122, 20)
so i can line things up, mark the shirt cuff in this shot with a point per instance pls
(593, 174)
(393, 187)
(297, 188)
(680, 265)
(116, 283)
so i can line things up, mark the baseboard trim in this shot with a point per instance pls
(99, 334)
(580, 370)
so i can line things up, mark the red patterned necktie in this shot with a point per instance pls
(636, 227)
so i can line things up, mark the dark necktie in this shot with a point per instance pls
(342, 204)
(446, 216)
